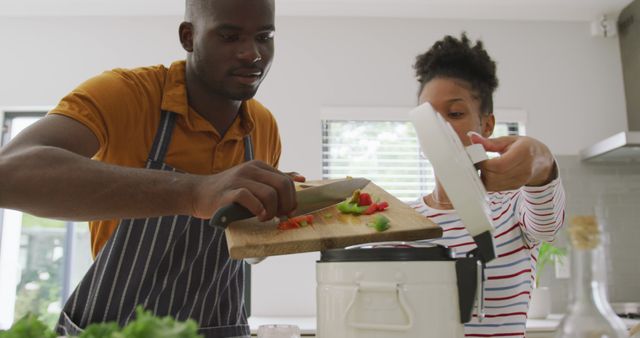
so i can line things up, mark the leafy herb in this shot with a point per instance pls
(147, 325)
(28, 326)
(144, 326)
(100, 330)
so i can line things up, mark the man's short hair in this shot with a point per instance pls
(193, 7)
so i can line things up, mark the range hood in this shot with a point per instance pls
(621, 147)
(625, 146)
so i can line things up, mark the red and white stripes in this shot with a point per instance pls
(523, 219)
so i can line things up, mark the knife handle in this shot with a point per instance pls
(229, 214)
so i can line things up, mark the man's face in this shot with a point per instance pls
(232, 46)
(458, 104)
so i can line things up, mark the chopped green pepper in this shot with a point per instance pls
(380, 223)
(350, 208)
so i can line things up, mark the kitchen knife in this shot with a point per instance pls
(309, 200)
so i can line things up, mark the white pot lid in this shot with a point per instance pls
(454, 166)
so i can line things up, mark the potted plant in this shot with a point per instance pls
(540, 305)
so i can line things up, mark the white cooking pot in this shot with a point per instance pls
(385, 292)
(396, 290)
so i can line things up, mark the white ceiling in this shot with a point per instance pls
(555, 10)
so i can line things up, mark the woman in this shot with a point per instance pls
(525, 192)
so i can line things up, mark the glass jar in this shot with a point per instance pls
(589, 314)
(278, 331)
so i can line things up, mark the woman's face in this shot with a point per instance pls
(459, 105)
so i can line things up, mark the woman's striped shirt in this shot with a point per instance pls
(523, 219)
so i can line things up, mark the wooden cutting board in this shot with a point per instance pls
(251, 238)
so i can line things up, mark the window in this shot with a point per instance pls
(378, 143)
(41, 260)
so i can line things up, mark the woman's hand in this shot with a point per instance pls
(523, 161)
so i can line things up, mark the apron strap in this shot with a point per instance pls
(248, 156)
(248, 149)
(163, 137)
(165, 131)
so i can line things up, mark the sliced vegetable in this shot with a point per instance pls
(380, 223)
(346, 207)
(296, 222)
(364, 199)
(355, 197)
(286, 225)
(376, 207)
(371, 209)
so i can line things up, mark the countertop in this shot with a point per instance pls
(307, 325)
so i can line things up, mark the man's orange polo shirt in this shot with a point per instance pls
(123, 107)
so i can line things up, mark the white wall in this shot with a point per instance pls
(562, 77)
(569, 83)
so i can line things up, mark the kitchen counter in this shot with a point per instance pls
(536, 328)
(542, 328)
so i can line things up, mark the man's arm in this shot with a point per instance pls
(47, 171)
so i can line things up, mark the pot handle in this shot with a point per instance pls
(381, 287)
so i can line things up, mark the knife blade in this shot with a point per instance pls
(320, 197)
(309, 200)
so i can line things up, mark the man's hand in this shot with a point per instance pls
(260, 188)
(296, 177)
(522, 161)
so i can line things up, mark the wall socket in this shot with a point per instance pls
(604, 28)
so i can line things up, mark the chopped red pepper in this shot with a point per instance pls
(375, 207)
(296, 222)
(286, 225)
(371, 209)
(364, 199)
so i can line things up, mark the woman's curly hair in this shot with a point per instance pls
(457, 58)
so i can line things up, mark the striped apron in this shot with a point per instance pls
(172, 265)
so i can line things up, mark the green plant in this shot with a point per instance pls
(548, 254)
(145, 325)
(28, 326)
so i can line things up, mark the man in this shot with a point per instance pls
(170, 147)
(527, 198)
